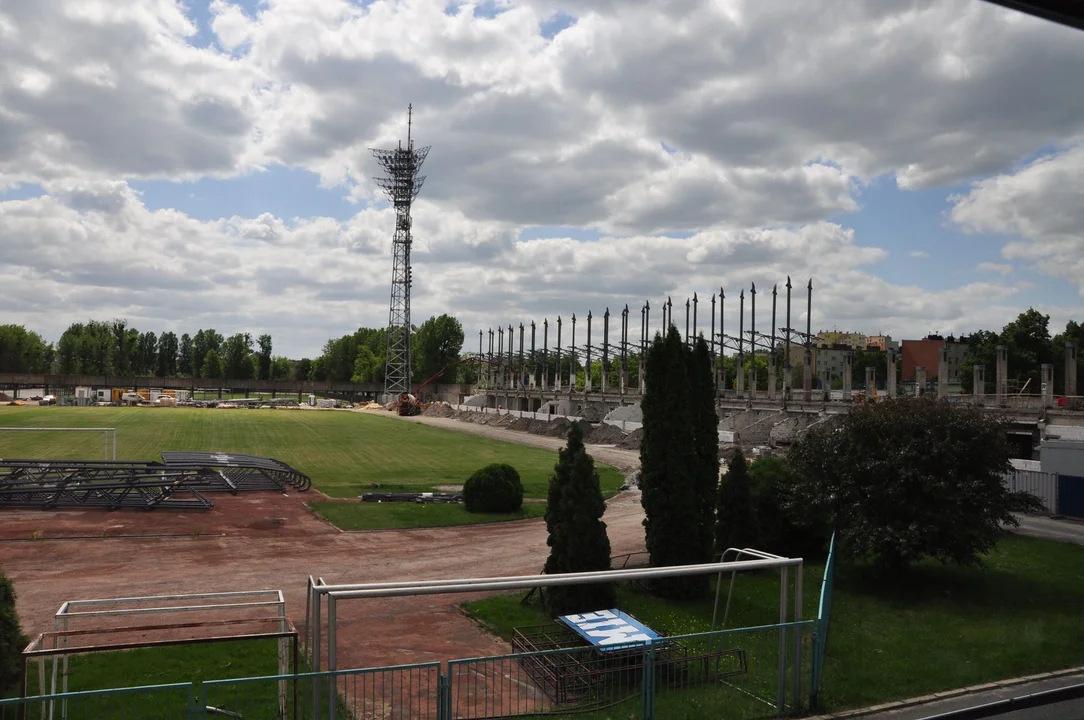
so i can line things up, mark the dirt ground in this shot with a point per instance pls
(269, 541)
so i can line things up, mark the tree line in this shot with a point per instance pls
(113, 347)
(1029, 344)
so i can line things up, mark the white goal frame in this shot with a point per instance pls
(107, 431)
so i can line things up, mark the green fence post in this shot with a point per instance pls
(648, 711)
(444, 696)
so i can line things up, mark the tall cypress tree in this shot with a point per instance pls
(706, 443)
(735, 525)
(577, 535)
(668, 466)
(12, 640)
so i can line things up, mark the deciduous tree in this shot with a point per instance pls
(908, 479)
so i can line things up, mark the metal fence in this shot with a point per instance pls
(820, 634)
(743, 673)
(1043, 485)
(154, 702)
(404, 692)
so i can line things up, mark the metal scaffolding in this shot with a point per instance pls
(178, 483)
(402, 185)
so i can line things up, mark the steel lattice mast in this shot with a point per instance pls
(402, 184)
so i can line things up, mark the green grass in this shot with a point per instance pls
(374, 516)
(928, 630)
(345, 453)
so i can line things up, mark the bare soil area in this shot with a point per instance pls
(269, 541)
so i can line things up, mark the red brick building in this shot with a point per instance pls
(926, 352)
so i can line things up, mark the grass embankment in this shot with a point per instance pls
(345, 453)
(928, 630)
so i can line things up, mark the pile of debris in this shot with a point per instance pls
(558, 427)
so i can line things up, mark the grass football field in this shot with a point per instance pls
(345, 453)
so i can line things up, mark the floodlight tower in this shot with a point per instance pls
(402, 184)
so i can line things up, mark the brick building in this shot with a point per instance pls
(926, 352)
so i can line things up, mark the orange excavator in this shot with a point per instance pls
(410, 404)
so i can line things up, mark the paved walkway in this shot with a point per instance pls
(933, 705)
(1041, 526)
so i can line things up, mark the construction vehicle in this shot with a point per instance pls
(409, 405)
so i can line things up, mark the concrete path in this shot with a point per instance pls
(1041, 526)
(934, 705)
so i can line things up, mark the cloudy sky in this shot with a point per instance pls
(204, 164)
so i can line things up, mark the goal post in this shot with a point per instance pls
(60, 443)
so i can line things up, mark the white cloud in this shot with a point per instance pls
(747, 125)
(1042, 203)
(93, 250)
(920, 254)
(1002, 268)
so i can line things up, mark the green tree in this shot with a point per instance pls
(146, 358)
(184, 356)
(668, 466)
(1073, 333)
(981, 350)
(168, 348)
(908, 479)
(236, 357)
(280, 368)
(212, 369)
(264, 369)
(365, 366)
(437, 344)
(577, 535)
(12, 640)
(781, 526)
(706, 444)
(23, 351)
(735, 523)
(302, 370)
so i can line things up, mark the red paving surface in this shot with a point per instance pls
(269, 541)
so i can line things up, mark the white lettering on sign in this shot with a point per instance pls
(224, 459)
(608, 628)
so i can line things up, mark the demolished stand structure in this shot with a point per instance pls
(402, 184)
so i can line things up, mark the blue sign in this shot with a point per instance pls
(606, 629)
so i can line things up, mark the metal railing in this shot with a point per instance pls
(824, 613)
(403, 691)
(741, 673)
(752, 672)
(151, 702)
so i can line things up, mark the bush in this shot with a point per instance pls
(735, 521)
(782, 526)
(12, 640)
(493, 489)
(909, 479)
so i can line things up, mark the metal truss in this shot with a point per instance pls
(402, 185)
(178, 483)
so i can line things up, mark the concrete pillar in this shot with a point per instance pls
(871, 383)
(920, 379)
(1002, 373)
(753, 377)
(787, 378)
(826, 382)
(640, 375)
(890, 380)
(1047, 374)
(848, 370)
(771, 377)
(979, 383)
(739, 375)
(1070, 369)
(942, 372)
(807, 377)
